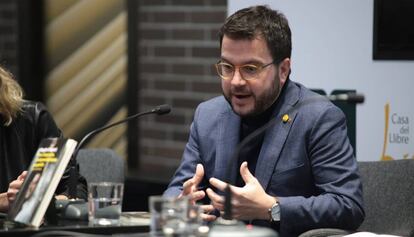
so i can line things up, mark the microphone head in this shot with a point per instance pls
(162, 109)
(351, 97)
(356, 98)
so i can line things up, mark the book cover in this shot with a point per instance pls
(44, 175)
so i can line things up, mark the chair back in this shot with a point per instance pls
(388, 188)
(100, 165)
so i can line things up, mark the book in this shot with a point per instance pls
(44, 175)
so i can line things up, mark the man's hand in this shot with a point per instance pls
(190, 189)
(15, 186)
(248, 202)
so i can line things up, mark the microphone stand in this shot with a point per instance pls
(160, 110)
(74, 172)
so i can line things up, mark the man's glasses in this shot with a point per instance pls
(247, 71)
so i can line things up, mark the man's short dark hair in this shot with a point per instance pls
(251, 22)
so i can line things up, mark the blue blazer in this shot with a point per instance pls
(307, 162)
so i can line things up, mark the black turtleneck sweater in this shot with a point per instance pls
(251, 151)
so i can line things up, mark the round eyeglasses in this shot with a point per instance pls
(247, 71)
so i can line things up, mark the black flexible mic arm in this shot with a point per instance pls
(349, 97)
(73, 179)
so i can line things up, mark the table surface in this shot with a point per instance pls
(130, 222)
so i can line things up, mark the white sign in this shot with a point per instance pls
(332, 49)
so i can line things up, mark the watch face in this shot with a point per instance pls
(276, 212)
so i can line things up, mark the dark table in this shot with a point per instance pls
(130, 223)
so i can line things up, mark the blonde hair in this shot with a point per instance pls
(11, 97)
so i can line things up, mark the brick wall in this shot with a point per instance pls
(8, 34)
(177, 49)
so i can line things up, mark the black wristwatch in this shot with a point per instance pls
(274, 212)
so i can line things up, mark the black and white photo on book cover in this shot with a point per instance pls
(44, 174)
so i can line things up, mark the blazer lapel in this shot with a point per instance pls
(276, 135)
(228, 138)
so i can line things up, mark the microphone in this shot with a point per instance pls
(227, 216)
(159, 110)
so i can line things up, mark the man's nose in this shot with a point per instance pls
(237, 79)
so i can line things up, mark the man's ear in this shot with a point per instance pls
(284, 71)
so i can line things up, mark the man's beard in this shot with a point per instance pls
(260, 103)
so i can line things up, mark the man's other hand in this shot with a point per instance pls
(190, 189)
(248, 202)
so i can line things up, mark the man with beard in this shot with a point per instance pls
(301, 173)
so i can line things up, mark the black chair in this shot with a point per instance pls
(388, 196)
(388, 189)
(101, 165)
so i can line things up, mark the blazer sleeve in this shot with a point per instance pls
(334, 167)
(191, 157)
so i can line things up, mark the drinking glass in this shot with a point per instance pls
(174, 216)
(105, 203)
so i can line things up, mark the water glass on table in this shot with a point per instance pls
(174, 214)
(155, 208)
(195, 224)
(168, 215)
(175, 217)
(105, 203)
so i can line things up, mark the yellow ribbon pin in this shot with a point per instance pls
(285, 118)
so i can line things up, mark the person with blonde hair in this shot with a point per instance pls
(11, 97)
(23, 124)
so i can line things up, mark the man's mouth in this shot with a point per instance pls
(241, 96)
